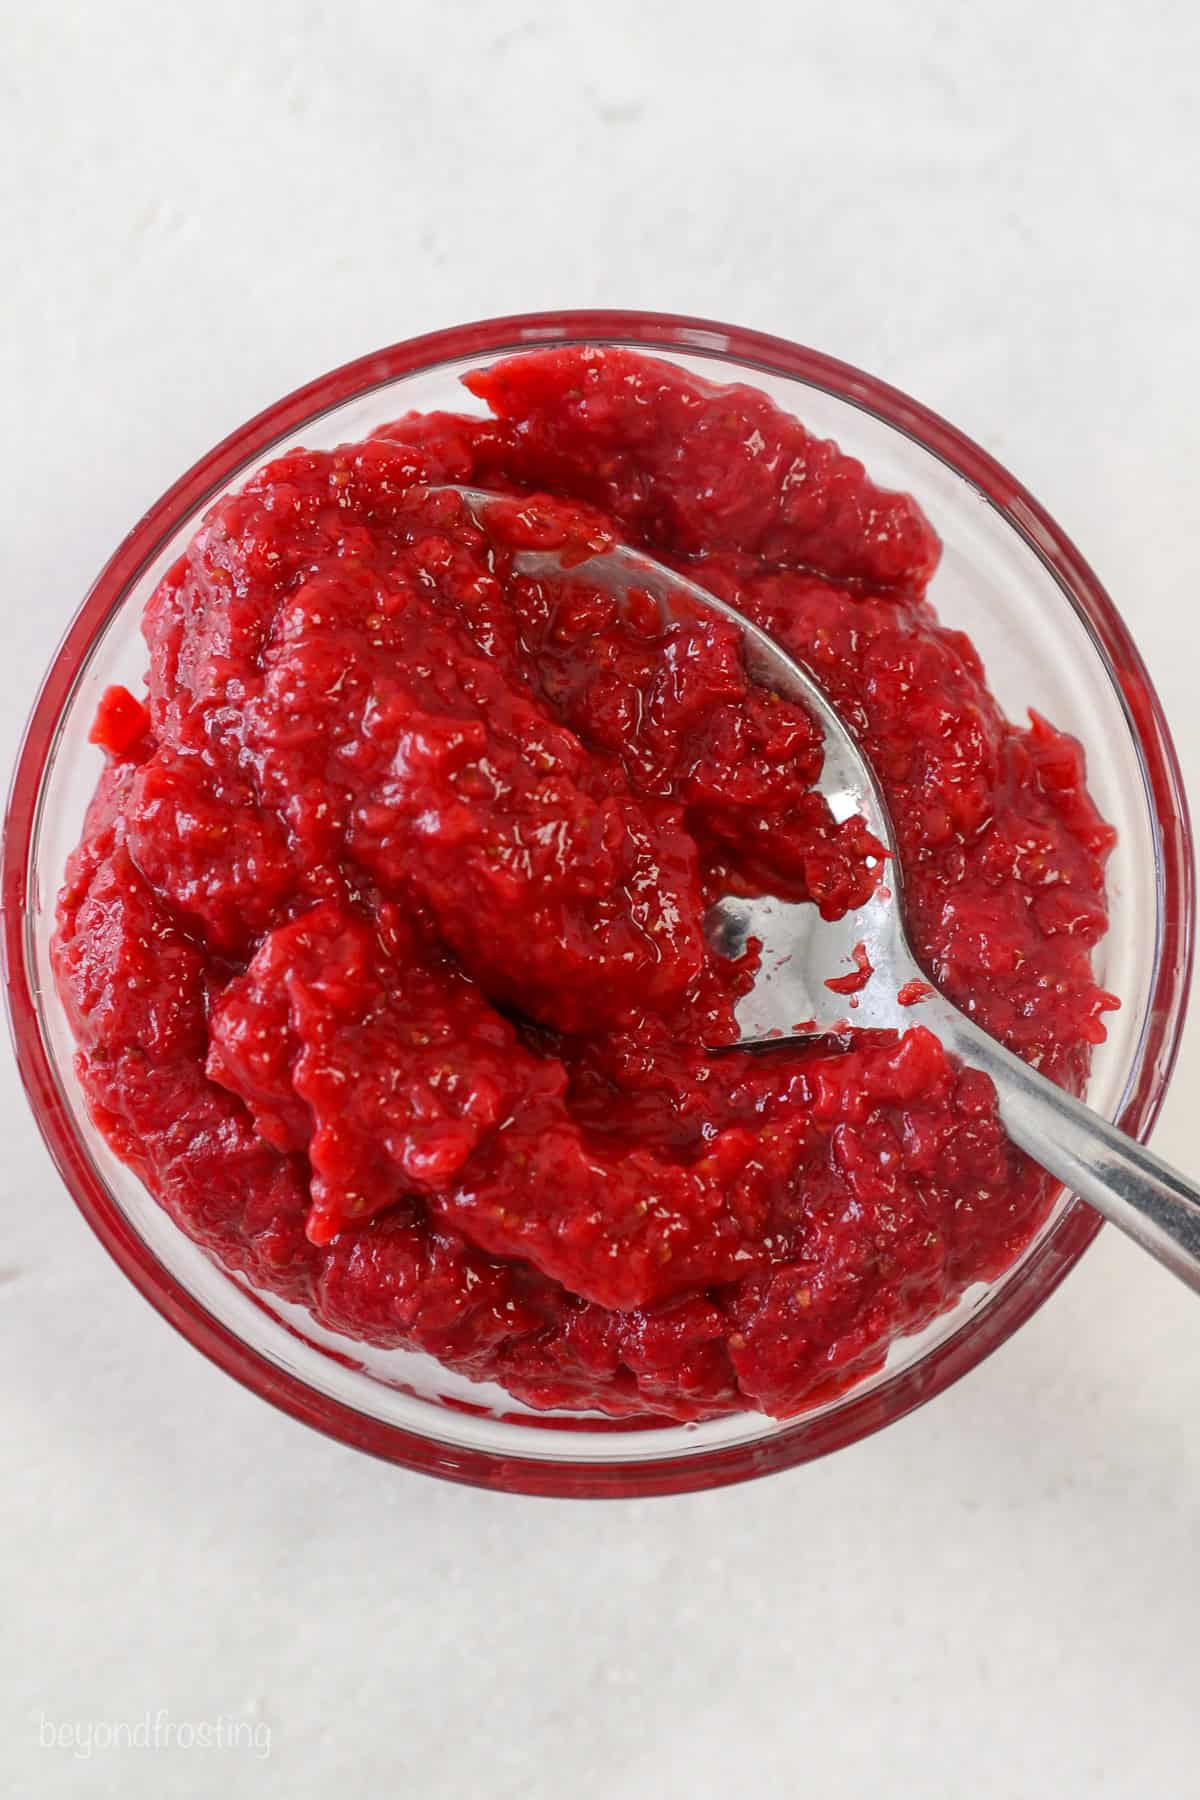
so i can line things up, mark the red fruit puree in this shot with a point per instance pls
(383, 946)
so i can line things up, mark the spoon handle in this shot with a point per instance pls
(1150, 1201)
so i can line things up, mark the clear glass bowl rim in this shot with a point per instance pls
(801, 1440)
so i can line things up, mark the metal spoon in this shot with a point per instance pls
(801, 951)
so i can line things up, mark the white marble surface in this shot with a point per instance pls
(202, 206)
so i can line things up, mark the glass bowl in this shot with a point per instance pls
(1050, 638)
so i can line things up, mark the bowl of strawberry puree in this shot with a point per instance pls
(355, 888)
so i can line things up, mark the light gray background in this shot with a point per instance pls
(202, 206)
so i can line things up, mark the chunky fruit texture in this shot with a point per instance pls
(384, 943)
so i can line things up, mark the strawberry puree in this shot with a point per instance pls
(384, 944)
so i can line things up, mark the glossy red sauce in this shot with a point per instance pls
(383, 946)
